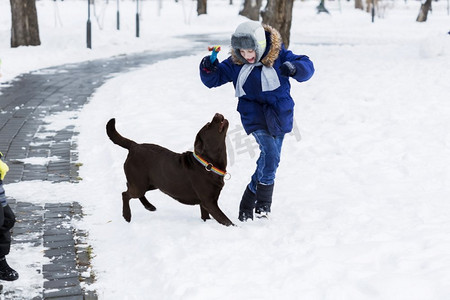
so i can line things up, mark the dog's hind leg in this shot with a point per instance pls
(126, 211)
(147, 204)
(204, 213)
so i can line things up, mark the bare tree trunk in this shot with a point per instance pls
(359, 4)
(24, 25)
(423, 13)
(278, 14)
(201, 7)
(251, 9)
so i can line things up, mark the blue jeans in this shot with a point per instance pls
(269, 159)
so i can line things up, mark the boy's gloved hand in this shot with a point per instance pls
(288, 69)
(3, 168)
(207, 65)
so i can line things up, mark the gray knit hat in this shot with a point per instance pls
(249, 35)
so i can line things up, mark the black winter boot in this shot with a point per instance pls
(6, 272)
(247, 205)
(263, 200)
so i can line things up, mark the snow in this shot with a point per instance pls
(361, 206)
(43, 161)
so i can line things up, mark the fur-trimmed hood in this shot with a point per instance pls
(273, 48)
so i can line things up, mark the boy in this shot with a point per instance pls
(260, 67)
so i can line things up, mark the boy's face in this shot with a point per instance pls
(249, 55)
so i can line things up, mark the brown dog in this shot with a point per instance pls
(191, 177)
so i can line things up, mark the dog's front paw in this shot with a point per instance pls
(229, 224)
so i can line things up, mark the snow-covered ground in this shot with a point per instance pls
(361, 207)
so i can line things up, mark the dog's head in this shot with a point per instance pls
(210, 140)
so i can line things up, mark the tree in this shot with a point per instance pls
(423, 13)
(359, 4)
(24, 23)
(251, 9)
(278, 14)
(201, 7)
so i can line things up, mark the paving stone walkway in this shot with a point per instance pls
(24, 104)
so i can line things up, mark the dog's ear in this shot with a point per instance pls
(198, 144)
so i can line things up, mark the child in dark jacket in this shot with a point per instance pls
(260, 67)
(7, 220)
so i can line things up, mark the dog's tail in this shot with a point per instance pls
(115, 137)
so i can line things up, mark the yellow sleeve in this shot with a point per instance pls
(3, 169)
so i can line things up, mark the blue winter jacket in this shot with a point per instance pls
(272, 110)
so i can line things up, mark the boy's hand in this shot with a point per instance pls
(288, 69)
(207, 66)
